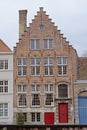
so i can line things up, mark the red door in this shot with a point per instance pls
(63, 112)
(49, 118)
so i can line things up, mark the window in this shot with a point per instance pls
(3, 109)
(3, 86)
(48, 66)
(35, 117)
(48, 43)
(3, 64)
(35, 66)
(25, 117)
(48, 94)
(35, 90)
(22, 95)
(62, 66)
(62, 90)
(22, 66)
(34, 44)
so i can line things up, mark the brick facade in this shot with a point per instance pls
(42, 28)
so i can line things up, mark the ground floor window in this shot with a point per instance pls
(3, 109)
(35, 117)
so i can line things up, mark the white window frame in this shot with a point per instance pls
(62, 62)
(21, 66)
(4, 87)
(35, 44)
(49, 91)
(4, 64)
(35, 91)
(4, 110)
(35, 114)
(35, 66)
(21, 91)
(47, 44)
(48, 65)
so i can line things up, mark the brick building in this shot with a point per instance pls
(45, 70)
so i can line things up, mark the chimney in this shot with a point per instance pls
(22, 21)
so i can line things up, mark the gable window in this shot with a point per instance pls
(22, 95)
(22, 66)
(3, 86)
(62, 66)
(62, 91)
(35, 66)
(35, 91)
(48, 94)
(3, 109)
(48, 43)
(34, 44)
(48, 66)
(35, 117)
(3, 64)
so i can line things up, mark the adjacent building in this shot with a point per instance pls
(6, 84)
(45, 70)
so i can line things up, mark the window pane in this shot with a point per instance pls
(32, 61)
(32, 45)
(45, 44)
(49, 99)
(37, 44)
(35, 99)
(45, 61)
(50, 43)
(32, 70)
(51, 61)
(62, 90)
(46, 70)
(37, 70)
(50, 70)
(37, 61)
(24, 70)
(6, 64)
(24, 61)
(19, 61)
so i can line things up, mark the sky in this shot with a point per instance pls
(70, 16)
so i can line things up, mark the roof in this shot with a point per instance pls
(4, 47)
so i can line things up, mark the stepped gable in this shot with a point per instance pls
(4, 47)
(40, 27)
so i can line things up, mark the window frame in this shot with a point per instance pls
(35, 117)
(22, 95)
(4, 64)
(47, 44)
(62, 66)
(62, 90)
(36, 93)
(48, 90)
(22, 67)
(4, 110)
(34, 44)
(36, 66)
(4, 88)
(48, 66)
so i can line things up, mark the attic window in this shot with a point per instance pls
(41, 27)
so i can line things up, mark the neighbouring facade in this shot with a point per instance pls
(45, 68)
(6, 84)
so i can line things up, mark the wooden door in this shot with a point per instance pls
(63, 112)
